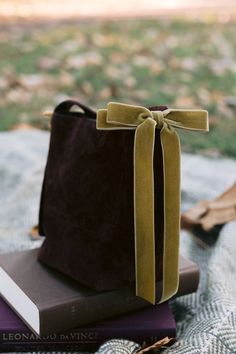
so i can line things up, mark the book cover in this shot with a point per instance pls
(49, 302)
(146, 325)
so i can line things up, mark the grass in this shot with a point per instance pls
(174, 62)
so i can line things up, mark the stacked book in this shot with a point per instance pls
(42, 310)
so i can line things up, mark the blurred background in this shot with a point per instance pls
(179, 53)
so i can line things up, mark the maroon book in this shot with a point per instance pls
(49, 302)
(147, 325)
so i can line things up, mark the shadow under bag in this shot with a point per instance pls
(110, 202)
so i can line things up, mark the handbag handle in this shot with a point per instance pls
(66, 106)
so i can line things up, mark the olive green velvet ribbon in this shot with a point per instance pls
(145, 122)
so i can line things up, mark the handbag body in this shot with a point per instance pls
(86, 209)
(87, 201)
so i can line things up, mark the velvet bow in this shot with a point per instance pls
(123, 116)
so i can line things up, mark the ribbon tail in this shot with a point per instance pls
(144, 210)
(171, 167)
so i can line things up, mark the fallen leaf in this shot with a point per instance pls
(87, 88)
(185, 101)
(105, 93)
(48, 63)
(161, 344)
(22, 126)
(130, 81)
(31, 81)
(113, 72)
(66, 79)
(189, 64)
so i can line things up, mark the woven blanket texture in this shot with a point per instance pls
(206, 321)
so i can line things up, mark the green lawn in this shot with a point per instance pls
(147, 62)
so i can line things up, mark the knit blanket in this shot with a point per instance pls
(206, 320)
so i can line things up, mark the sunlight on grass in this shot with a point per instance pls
(183, 64)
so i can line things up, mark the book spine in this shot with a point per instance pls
(77, 313)
(82, 340)
(104, 305)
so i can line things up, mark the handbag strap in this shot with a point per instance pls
(65, 108)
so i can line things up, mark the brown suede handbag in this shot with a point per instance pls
(110, 202)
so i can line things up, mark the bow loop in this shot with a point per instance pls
(188, 119)
(126, 115)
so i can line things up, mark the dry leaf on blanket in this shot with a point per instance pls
(161, 344)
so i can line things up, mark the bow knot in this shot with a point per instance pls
(158, 116)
